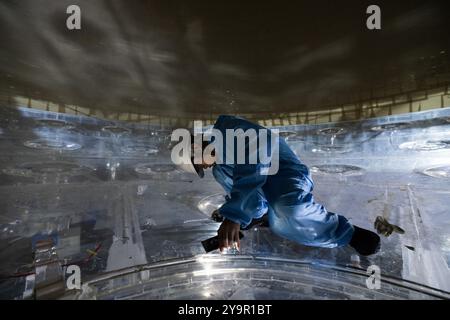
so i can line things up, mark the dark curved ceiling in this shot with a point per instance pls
(173, 57)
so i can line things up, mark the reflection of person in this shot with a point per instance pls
(286, 197)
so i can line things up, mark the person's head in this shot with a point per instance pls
(208, 158)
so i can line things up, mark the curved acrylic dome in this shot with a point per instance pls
(249, 277)
(137, 234)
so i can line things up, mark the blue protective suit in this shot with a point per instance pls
(285, 196)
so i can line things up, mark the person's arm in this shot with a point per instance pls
(245, 202)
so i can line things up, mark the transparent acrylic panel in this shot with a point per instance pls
(117, 207)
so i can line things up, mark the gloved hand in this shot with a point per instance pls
(228, 234)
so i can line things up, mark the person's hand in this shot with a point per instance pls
(228, 234)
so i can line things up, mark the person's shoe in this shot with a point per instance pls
(365, 242)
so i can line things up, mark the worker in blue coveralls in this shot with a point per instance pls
(283, 199)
